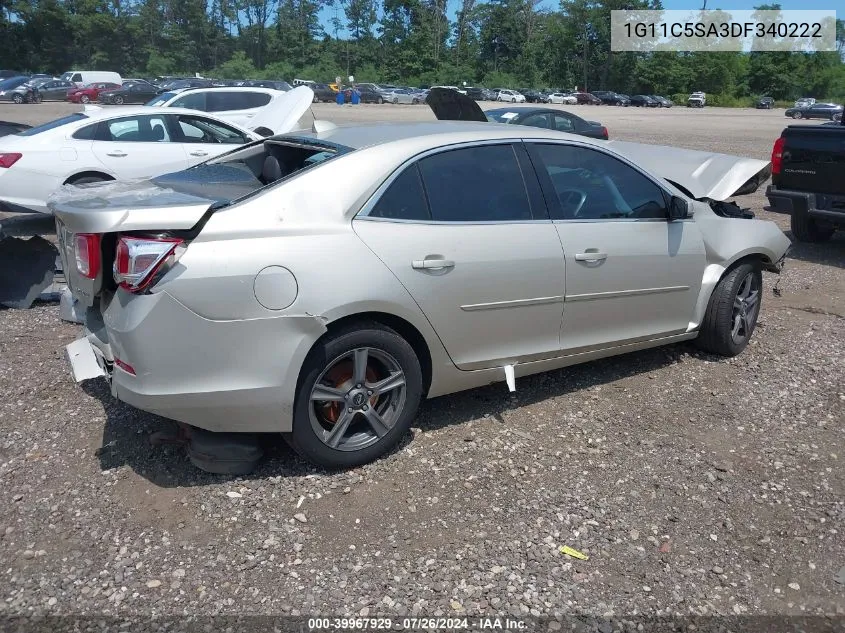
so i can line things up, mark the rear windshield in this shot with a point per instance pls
(501, 116)
(244, 172)
(52, 125)
(163, 98)
(14, 82)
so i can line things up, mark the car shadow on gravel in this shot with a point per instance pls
(127, 431)
(495, 400)
(830, 253)
(126, 442)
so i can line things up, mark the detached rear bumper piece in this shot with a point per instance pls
(823, 206)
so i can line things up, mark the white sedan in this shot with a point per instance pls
(401, 95)
(124, 143)
(560, 97)
(511, 96)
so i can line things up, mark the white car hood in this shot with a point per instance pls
(282, 114)
(702, 174)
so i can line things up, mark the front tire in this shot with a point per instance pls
(379, 101)
(809, 229)
(118, 100)
(732, 313)
(84, 99)
(358, 393)
(797, 115)
(17, 99)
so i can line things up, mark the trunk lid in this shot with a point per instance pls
(702, 174)
(451, 105)
(105, 209)
(813, 157)
(283, 113)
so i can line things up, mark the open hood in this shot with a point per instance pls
(282, 114)
(126, 206)
(702, 174)
(451, 105)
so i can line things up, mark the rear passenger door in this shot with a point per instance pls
(138, 146)
(466, 232)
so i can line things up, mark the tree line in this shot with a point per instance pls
(494, 43)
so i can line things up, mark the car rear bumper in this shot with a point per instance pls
(822, 206)
(233, 376)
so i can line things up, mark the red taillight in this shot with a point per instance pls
(86, 247)
(604, 133)
(9, 159)
(139, 259)
(777, 155)
(124, 366)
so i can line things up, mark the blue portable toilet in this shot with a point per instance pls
(356, 96)
(339, 97)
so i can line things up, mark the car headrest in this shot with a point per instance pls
(272, 170)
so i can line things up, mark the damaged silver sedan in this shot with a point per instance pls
(321, 284)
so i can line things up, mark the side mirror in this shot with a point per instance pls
(678, 209)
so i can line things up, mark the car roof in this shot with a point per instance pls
(120, 111)
(260, 89)
(434, 134)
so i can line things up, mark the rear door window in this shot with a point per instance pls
(135, 129)
(226, 101)
(257, 99)
(191, 101)
(475, 184)
(404, 199)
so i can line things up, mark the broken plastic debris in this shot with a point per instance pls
(234, 495)
(573, 553)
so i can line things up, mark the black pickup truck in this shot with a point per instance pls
(808, 179)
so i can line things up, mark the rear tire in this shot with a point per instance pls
(391, 411)
(85, 99)
(18, 99)
(732, 313)
(809, 229)
(118, 100)
(379, 101)
(797, 115)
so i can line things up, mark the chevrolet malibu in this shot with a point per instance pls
(320, 284)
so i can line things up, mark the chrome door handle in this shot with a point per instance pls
(432, 264)
(590, 257)
(116, 154)
(199, 153)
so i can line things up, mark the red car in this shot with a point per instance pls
(88, 93)
(586, 98)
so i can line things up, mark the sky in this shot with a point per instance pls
(328, 13)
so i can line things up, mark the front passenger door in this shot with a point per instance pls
(466, 233)
(630, 273)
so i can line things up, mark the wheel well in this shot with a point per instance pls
(763, 260)
(87, 174)
(401, 327)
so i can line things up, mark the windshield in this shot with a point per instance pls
(52, 125)
(163, 98)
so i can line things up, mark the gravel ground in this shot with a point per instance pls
(696, 485)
